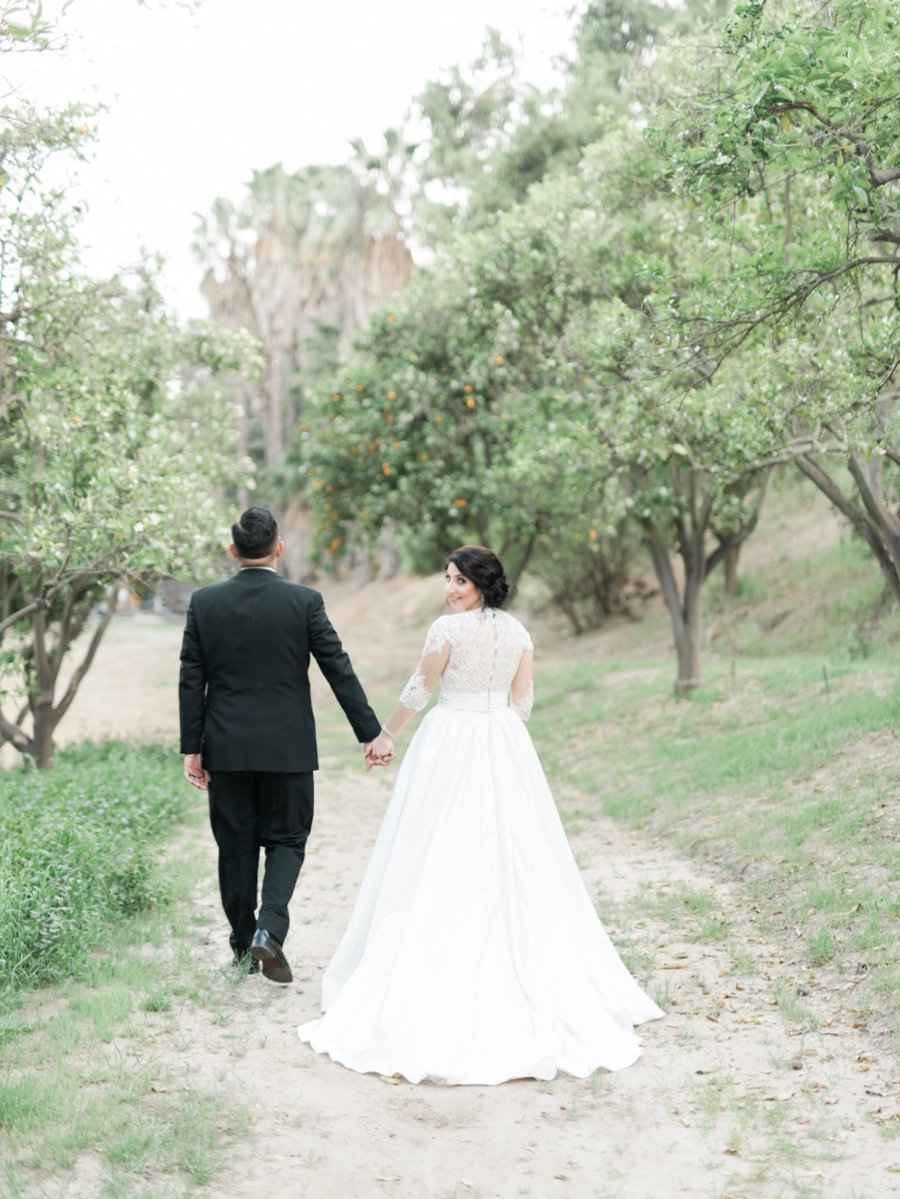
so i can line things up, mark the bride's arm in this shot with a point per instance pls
(417, 692)
(521, 689)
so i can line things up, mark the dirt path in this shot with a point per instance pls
(725, 1101)
(730, 1100)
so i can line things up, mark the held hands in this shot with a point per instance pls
(194, 772)
(379, 752)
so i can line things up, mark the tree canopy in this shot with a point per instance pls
(641, 338)
(109, 474)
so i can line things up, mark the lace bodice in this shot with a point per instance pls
(478, 651)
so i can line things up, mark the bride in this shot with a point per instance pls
(474, 954)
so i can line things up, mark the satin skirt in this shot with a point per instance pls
(474, 953)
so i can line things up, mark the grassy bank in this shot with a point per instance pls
(782, 771)
(78, 847)
(87, 1103)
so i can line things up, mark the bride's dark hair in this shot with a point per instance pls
(482, 567)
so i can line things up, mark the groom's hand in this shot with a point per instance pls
(379, 752)
(194, 772)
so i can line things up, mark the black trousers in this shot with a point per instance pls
(249, 811)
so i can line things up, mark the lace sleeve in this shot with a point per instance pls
(521, 689)
(417, 692)
(523, 705)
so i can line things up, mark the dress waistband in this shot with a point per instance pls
(474, 701)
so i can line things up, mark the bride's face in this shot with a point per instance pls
(462, 594)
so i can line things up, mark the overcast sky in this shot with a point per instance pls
(199, 99)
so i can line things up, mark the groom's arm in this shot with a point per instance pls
(191, 687)
(326, 648)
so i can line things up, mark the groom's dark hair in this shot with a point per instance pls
(256, 534)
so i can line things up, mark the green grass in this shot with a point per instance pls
(768, 772)
(78, 847)
(830, 602)
(81, 1082)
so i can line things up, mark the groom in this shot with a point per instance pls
(248, 733)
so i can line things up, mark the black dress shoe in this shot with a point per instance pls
(268, 952)
(244, 960)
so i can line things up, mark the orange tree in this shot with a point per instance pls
(529, 393)
(454, 425)
(627, 356)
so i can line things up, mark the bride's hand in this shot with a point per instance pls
(379, 752)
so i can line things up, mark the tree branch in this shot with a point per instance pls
(662, 564)
(14, 734)
(804, 445)
(888, 235)
(733, 334)
(80, 671)
(857, 518)
(868, 479)
(34, 606)
(733, 540)
(826, 484)
(862, 147)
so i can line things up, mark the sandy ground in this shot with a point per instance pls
(728, 1101)
(725, 1101)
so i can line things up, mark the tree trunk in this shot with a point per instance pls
(728, 551)
(43, 675)
(686, 616)
(687, 644)
(43, 724)
(303, 284)
(688, 639)
(877, 524)
(732, 554)
(40, 692)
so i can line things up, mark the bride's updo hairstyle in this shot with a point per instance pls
(483, 568)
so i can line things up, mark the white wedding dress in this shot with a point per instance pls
(474, 954)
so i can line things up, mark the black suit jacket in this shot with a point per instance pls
(244, 690)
